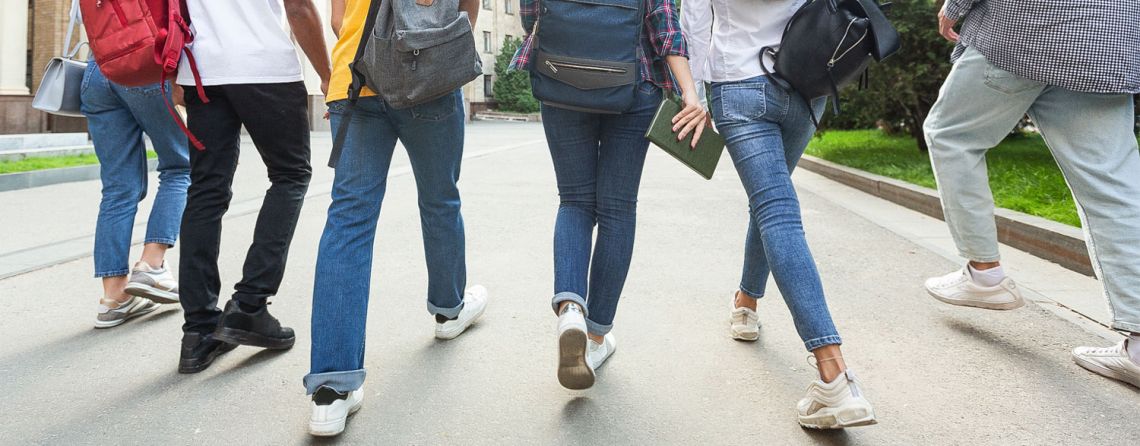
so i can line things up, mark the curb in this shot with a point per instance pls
(37, 178)
(1049, 240)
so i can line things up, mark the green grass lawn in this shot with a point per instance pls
(1023, 175)
(53, 162)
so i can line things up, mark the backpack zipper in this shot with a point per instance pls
(554, 68)
(835, 56)
(119, 14)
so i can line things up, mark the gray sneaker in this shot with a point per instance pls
(156, 284)
(113, 313)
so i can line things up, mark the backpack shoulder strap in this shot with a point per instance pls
(358, 81)
(886, 37)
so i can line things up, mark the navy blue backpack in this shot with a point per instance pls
(586, 54)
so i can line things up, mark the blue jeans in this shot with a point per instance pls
(1092, 139)
(118, 118)
(766, 130)
(432, 133)
(598, 159)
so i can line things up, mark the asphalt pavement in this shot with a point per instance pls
(937, 374)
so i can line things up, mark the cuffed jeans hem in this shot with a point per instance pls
(162, 241)
(115, 273)
(597, 329)
(1126, 326)
(342, 382)
(750, 293)
(980, 259)
(567, 296)
(813, 344)
(450, 313)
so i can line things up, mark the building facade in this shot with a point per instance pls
(498, 20)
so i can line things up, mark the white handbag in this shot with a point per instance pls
(60, 90)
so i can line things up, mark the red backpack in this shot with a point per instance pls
(140, 42)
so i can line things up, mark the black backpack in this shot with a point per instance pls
(828, 44)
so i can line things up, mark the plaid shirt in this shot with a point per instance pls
(1089, 46)
(662, 37)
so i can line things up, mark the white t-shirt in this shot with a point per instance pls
(240, 42)
(725, 36)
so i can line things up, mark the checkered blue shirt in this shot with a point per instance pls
(1083, 45)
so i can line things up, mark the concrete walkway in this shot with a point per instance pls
(937, 374)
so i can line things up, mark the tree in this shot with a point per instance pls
(512, 88)
(904, 87)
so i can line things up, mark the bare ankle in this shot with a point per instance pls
(597, 338)
(745, 301)
(982, 266)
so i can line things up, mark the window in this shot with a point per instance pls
(487, 4)
(487, 42)
(488, 86)
(509, 6)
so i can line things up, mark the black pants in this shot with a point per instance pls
(276, 117)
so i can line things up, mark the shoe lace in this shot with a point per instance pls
(950, 279)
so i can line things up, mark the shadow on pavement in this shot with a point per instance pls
(829, 437)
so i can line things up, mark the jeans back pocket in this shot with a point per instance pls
(741, 102)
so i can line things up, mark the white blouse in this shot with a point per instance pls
(725, 36)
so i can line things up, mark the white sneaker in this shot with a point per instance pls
(574, 371)
(958, 288)
(474, 302)
(835, 405)
(156, 284)
(112, 313)
(597, 354)
(1112, 362)
(743, 323)
(331, 410)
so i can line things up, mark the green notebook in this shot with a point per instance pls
(703, 159)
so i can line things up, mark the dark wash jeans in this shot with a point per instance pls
(276, 117)
(598, 159)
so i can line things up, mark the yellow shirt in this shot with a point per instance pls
(355, 12)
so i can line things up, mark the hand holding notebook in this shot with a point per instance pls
(703, 158)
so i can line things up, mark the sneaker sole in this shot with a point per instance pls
(1105, 371)
(243, 337)
(1017, 303)
(146, 291)
(455, 332)
(743, 336)
(331, 428)
(840, 419)
(573, 371)
(188, 368)
(115, 323)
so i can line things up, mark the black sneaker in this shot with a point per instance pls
(199, 351)
(257, 329)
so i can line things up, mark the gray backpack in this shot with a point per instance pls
(411, 52)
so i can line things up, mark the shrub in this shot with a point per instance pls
(512, 88)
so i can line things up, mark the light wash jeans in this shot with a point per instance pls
(1091, 137)
(598, 160)
(432, 133)
(766, 130)
(117, 118)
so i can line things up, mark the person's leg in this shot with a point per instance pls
(150, 277)
(752, 116)
(573, 138)
(344, 259)
(1091, 137)
(977, 107)
(621, 159)
(148, 106)
(217, 125)
(432, 133)
(119, 145)
(276, 117)
(122, 158)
